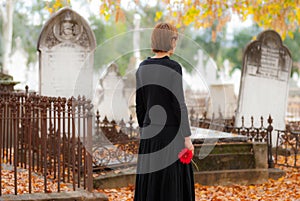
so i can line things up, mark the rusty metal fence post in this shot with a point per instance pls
(14, 120)
(89, 147)
(269, 142)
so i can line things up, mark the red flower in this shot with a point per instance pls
(185, 156)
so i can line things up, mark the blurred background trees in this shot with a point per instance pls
(206, 22)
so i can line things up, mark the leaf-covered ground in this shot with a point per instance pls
(23, 180)
(286, 188)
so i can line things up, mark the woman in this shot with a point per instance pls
(163, 119)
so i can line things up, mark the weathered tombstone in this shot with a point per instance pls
(264, 84)
(207, 68)
(222, 101)
(18, 64)
(111, 100)
(66, 55)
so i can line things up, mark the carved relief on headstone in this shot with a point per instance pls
(265, 77)
(66, 49)
(268, 58)
(68, 29)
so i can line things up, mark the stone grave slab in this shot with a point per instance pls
(201, 134)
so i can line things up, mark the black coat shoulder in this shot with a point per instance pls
(164, 61)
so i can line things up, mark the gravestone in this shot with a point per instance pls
(264, 84)
(207, 68)
(222, 101)
(18, 64)
(111, 100)
(66, 55)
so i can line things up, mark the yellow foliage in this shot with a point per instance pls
(107, 16)
(281, 15)
(55, 5)
(158, 15)
(50, 10)
(298, 14)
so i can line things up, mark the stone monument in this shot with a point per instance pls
(110, 99)
(66, 55)
(222, 101)
(265, 77)
(18, 64)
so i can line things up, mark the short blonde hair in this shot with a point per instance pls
(162, 36)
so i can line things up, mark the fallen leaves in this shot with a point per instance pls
(284, 189)
(119, 194)
(23, 182)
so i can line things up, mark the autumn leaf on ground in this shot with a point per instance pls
(284, 189)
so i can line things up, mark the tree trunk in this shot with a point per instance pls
(7, 31)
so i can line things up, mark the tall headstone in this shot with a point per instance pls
(207, 68)
(111, 100)
(222, 100)
(66, 55)
(18, 64)
(265, 78)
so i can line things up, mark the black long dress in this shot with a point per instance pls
(163, 119)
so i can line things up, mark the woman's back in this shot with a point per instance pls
(160, 73)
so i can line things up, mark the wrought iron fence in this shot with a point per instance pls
(258, 134)
(48, 135)
(287, 148)
(115, 145)
(255, 134)
(219, 124)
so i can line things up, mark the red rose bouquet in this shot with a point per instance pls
(185, 157)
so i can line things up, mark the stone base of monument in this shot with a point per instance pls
(221, 159)
(230, 163)
(225, 159)
(6, 82)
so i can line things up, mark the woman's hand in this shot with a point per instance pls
(188, 144)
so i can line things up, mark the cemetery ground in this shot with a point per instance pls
(286, 188)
